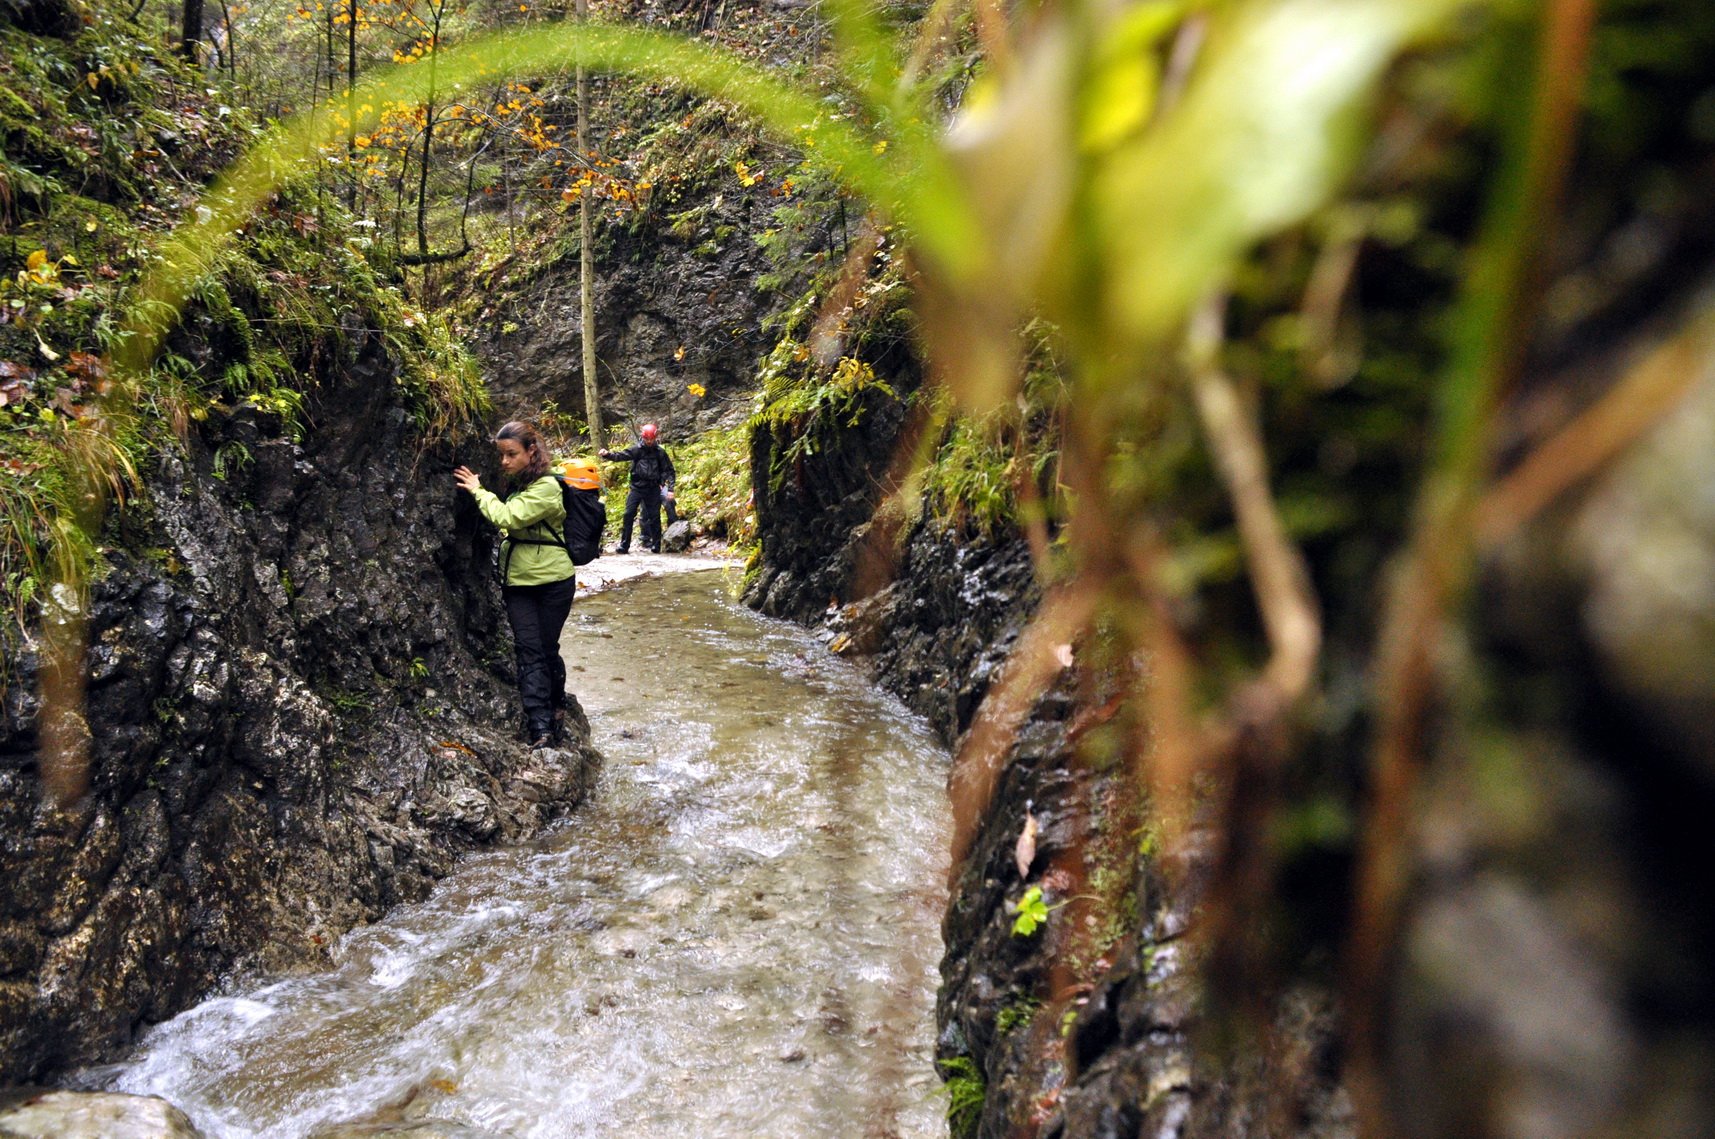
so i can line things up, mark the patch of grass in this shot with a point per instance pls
(1016, 1014)
(277, 311)
(349, 702)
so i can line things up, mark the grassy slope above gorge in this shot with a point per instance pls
(108, 142)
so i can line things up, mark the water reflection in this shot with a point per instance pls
(736, 937)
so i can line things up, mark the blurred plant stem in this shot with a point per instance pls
(1491, 335)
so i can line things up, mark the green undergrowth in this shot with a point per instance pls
(819, 382)
(714, 486)
(684, 177)
(673, 168)
(972, 471)
(676, 171)
(107, 143)
(978, 477)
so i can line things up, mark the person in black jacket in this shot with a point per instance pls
(652, 476)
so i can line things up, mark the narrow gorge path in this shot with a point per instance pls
(736, 936)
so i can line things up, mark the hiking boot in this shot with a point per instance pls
(622, 549)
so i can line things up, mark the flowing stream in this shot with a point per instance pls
(736, 935)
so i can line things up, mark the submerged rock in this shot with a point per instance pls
(421, 1129)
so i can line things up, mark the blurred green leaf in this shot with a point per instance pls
(1265, 132)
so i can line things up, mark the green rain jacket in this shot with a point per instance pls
(530, 513)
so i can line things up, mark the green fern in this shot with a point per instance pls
(966, 1092)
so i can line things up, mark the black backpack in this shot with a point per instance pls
(586, 516)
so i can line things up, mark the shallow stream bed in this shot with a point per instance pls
(736, 936)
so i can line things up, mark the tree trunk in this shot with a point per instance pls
(423, 182)
(351, 103)
(190, 30)
(399, 198)
(586, 264)
(229, 43)
(428, 142)
(315, 86)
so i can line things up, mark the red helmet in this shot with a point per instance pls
(649, 431)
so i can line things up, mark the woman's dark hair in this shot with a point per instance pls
(525, 436)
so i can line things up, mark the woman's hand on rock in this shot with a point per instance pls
(466, 478)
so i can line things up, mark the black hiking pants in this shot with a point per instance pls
(646, 496)
(537, 614)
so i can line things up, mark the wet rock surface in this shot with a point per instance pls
(301, 714)
(821, 544)
(43, 17)
(91, 1115)
(940, 631)
(677, 538)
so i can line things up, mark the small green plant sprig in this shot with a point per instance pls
(1031, 911)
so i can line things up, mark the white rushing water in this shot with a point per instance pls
(736, 936)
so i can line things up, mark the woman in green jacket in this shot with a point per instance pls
(537, 573)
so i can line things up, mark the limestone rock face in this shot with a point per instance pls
(301, 712)
(821, 546)
(674, 308)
